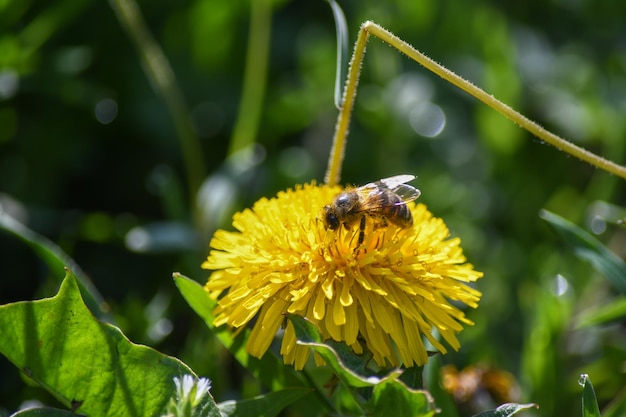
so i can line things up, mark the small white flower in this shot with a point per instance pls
(202, 387)
(190, 393)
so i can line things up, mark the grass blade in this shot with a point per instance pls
(590, 249)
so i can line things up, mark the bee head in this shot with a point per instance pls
(330, 218)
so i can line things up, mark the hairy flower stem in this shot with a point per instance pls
(333, 173)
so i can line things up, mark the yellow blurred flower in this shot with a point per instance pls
(382, 296)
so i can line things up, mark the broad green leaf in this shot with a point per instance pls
(270, 369)
(57, 261)
(392, 398)
(589, 248)
(44, 412)
(506, 410)
(89, 366)
(268, 405)
(590, 403)
(613, 311)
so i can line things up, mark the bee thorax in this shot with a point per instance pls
(345, 202)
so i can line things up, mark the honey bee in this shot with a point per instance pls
(384, 200)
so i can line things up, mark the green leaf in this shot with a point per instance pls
(613, 311)
(590, 403)
(309, 335)
(89, 366)
(356, 363)
(390, 396)
(57, 261)
(342, 50)
(44, 412)
(506, 410)
(270, 369)
(197, 298)
(268, 405)
(413, 377)
(590, 249)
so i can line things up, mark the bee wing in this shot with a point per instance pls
(406, 193)
(393, 182)
(388, 183)
(397, 184)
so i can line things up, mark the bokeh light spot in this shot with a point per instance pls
(106, 111)
(427, 119)
(9, 83)
(295, 162)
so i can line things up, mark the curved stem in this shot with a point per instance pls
(162, 77)
(334, 166)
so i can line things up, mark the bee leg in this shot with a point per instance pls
(361, 231)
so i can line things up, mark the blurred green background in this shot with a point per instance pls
(90, 157)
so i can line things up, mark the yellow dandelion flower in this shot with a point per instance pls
(383, 295)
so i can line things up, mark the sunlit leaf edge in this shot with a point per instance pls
(44, 412)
